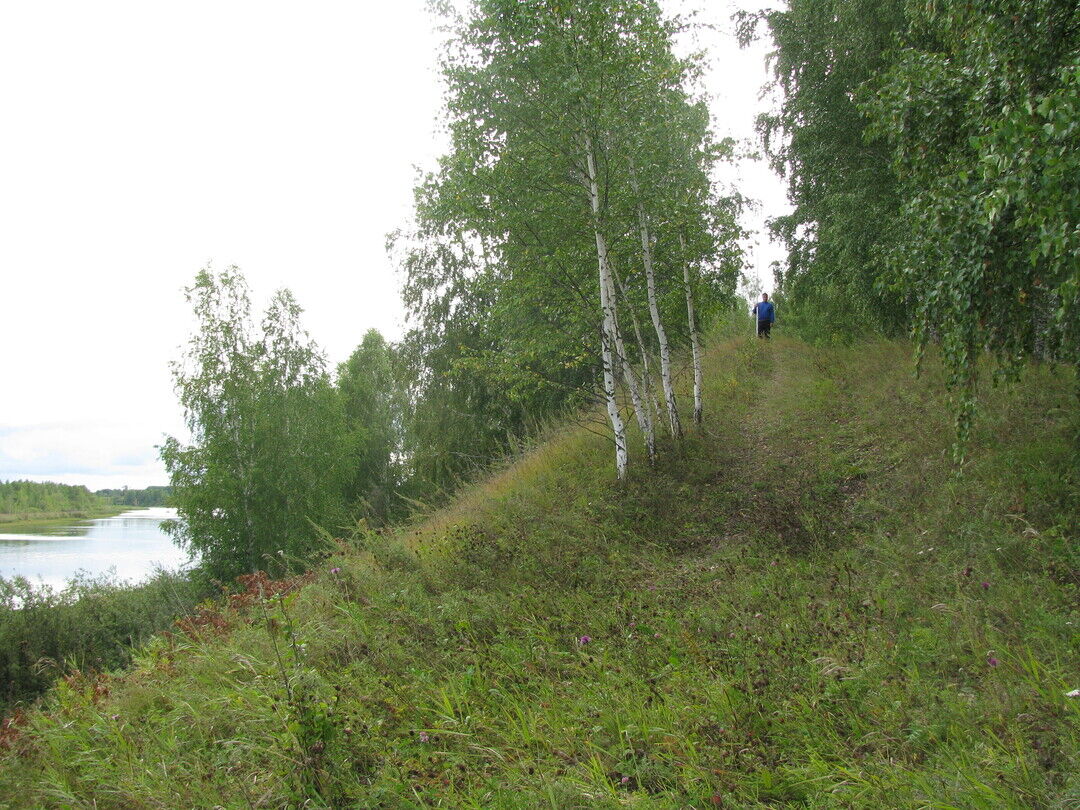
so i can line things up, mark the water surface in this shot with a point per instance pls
(131, 545)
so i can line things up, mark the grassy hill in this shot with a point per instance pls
(802, 604)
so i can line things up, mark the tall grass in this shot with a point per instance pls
(802, 604)
(91, 624)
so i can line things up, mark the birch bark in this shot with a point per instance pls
(607, 339)
(641, 409)
(695, 340)
(646, 365)
(654, 310)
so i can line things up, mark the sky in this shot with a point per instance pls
(141, 142)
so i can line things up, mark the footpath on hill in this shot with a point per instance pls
(801, 604)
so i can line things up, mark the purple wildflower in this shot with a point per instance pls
(992, 661)
(986, 586)
(584, 640)
(335, 570)
(424, 737)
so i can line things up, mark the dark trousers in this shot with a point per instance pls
(763, 328)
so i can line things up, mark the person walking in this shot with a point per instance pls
(766, 314)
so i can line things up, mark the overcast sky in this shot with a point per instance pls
(142, 141)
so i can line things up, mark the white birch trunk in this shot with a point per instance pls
(695, 340)
(654, 310)
(646, 366)
(607, 338)
(641, 408)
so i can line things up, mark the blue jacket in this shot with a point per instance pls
(765, 311)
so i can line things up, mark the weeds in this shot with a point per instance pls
(91, 624)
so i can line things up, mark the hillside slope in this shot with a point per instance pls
(802, 604)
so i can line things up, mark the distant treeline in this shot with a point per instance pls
(46, 497)
(31, 497)
(151, 496)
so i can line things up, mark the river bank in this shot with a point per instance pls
(82, 593)
(130, 545)
(89, 625)
(18, 523)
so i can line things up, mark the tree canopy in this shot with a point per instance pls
(980, 107)
(932, 153)
(576, 187)
(266, 465)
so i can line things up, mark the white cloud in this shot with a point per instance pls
(96, 454)
(140, 142)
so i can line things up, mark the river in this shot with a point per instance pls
(130, 546)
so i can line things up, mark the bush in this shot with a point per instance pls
(91, 624)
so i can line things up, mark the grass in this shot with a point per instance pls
(803, 604)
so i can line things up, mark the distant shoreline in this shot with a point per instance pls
(16, 523)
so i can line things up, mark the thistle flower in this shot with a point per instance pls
(584, 640)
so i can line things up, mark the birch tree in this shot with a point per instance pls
(845, 199)
(695, 341)
(266, 458)
(932, 151)
(674, 423)
(608, 347)
(542, 109)
(372, 399)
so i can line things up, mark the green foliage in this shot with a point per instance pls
(501, 266)
(932, 151)
(369, 383)
(267, 463)
(457, 422)
(980, 108)
(91, 624)
(27, 498)
(844, 196)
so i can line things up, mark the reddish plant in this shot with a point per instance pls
(11, 729)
